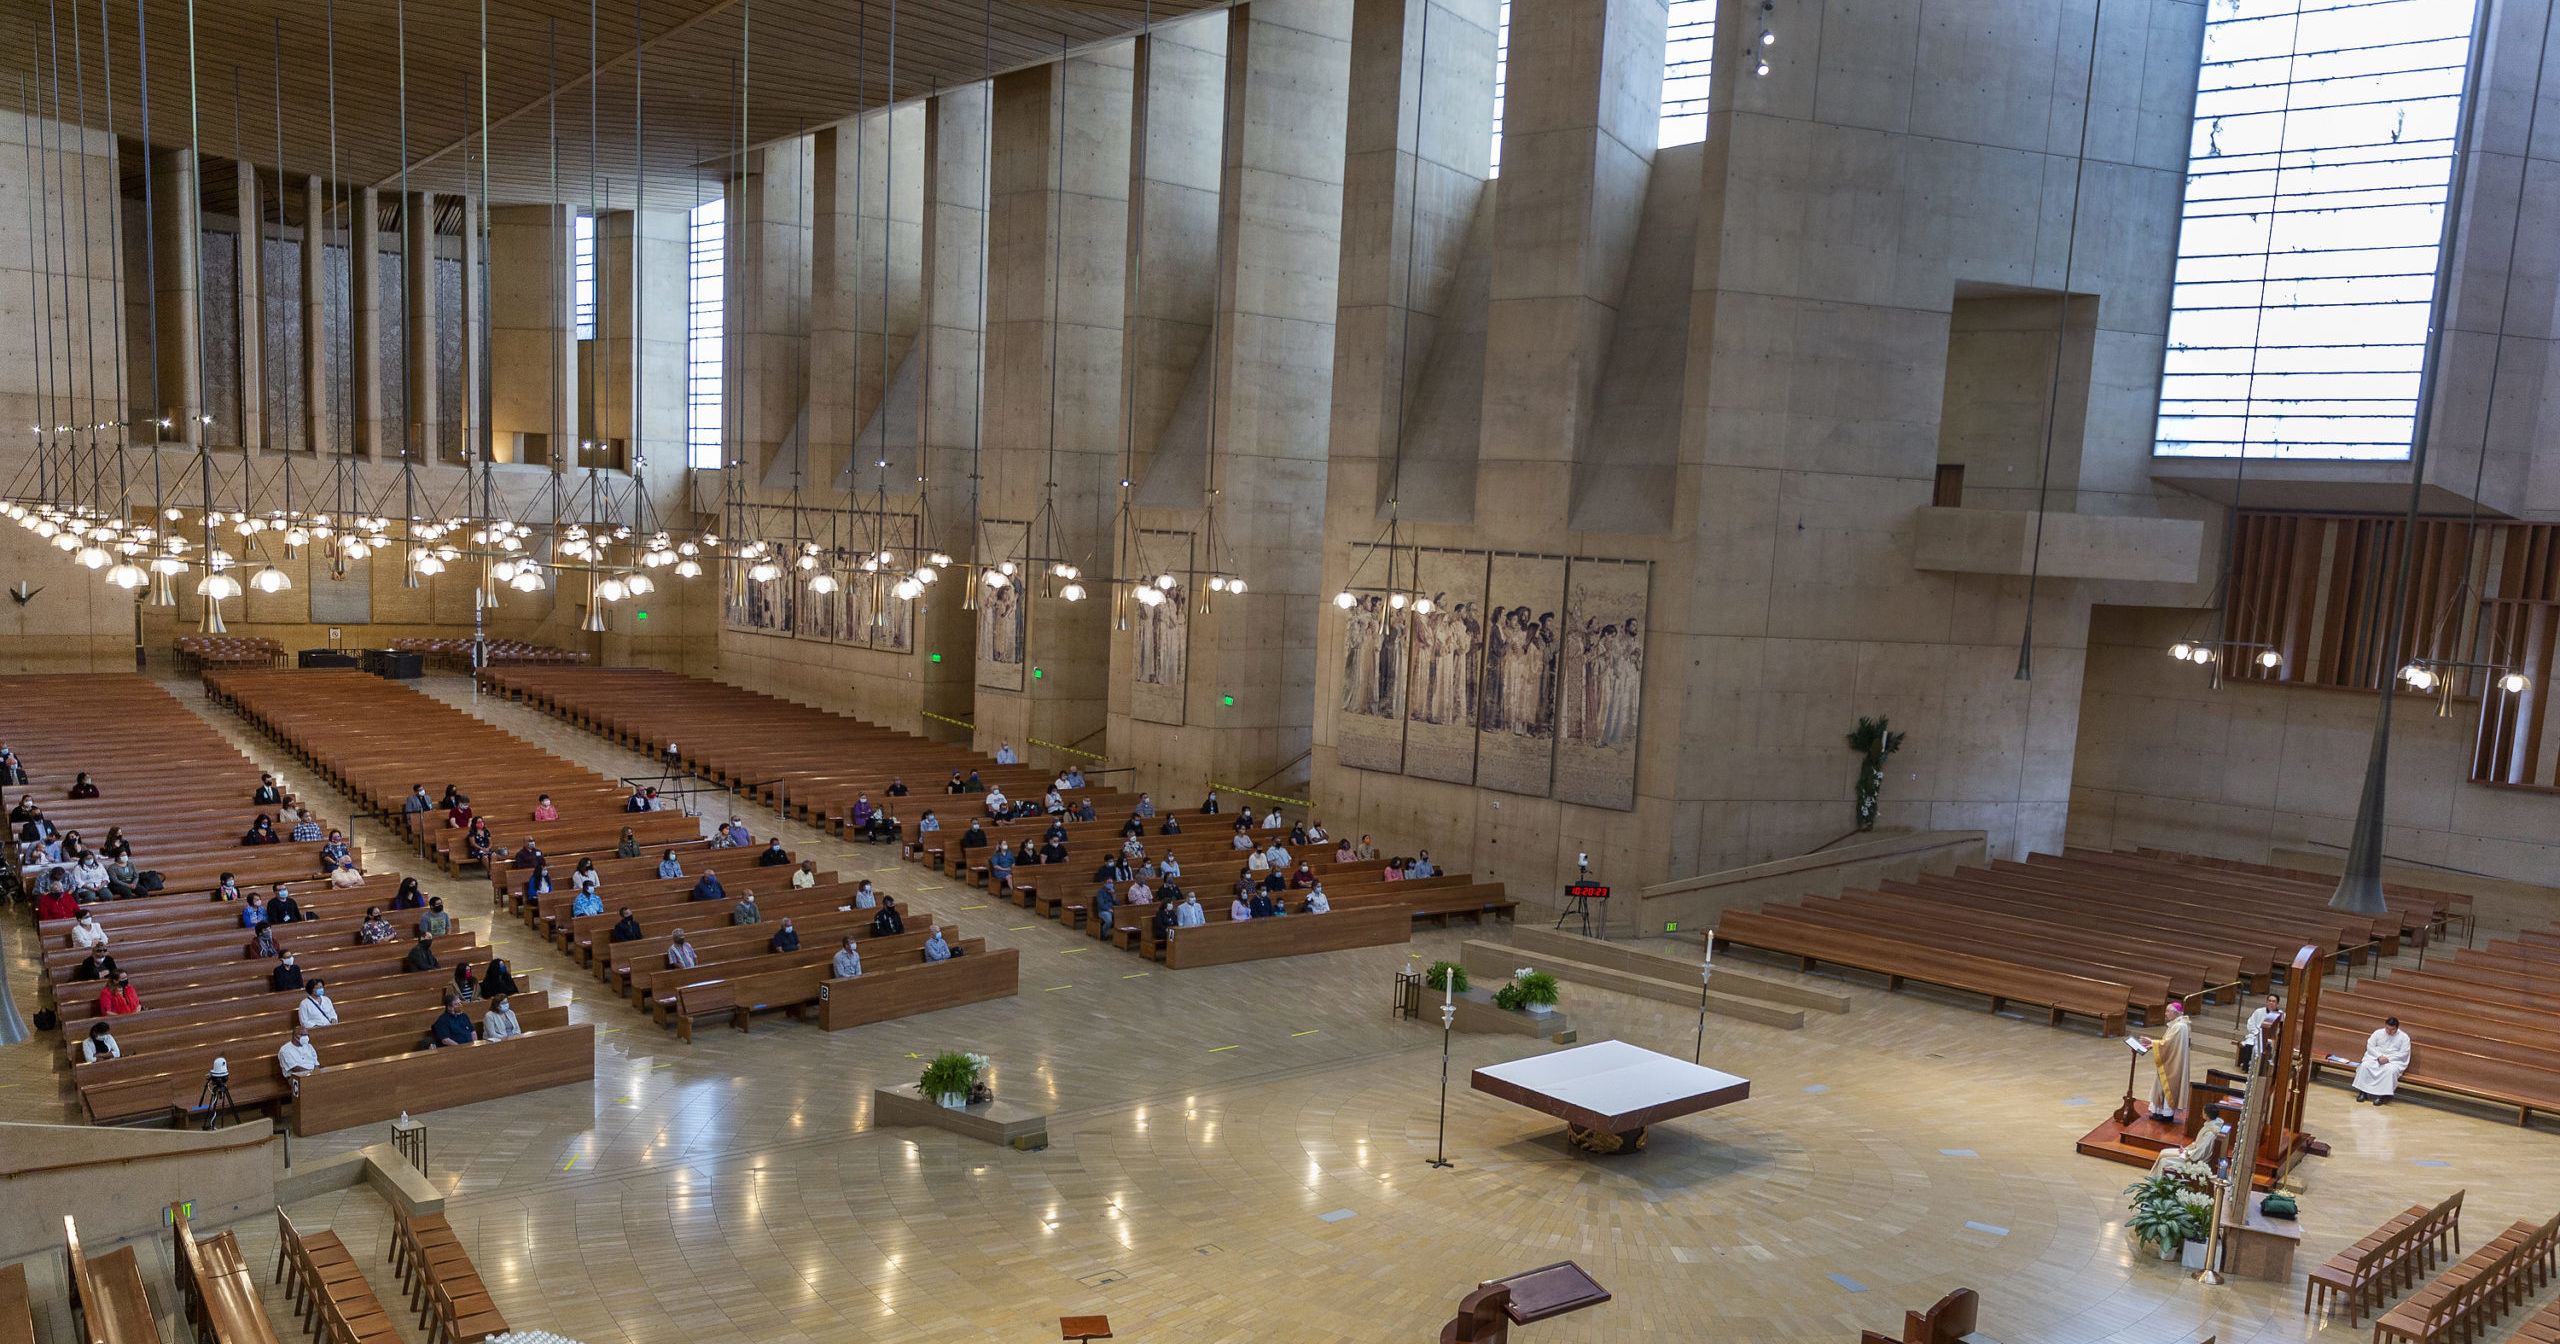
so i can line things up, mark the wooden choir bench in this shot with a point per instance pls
(445, 1289)
(2387, 1260)
(2463, 1301)
(328, 1289)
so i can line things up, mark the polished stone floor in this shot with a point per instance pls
(1238, 1153)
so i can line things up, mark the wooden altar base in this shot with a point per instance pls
(2138, 1144)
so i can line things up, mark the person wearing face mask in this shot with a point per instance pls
(316, 1010)
(298, 1058)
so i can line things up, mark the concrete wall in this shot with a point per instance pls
(2164, 759)
(120, 1182)
(1847, 199)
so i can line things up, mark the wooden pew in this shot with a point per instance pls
(747, 990)
(909, 988)
(419, 1081)
(661, 991)
(2058, 993)
(17, 1314)
(218, 1296)
(108, 1303)
(168, 1084)
(2524, 1086)
(1218, 944)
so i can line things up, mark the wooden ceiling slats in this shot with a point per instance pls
(803, 57)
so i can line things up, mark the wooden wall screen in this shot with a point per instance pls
(2317, 587)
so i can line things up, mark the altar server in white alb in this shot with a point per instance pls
(2386, 1057)
(2169, 1065)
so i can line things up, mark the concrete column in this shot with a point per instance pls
(1055, 302)
(645, 320)
(177, 234)
(418, 279)
(1179, 123)
(474, 409)
(249, 244)
(373, 438)
(1582, 108)
(953, 251)
(769, 252)
(319, 429)
(1288, 82)
(533, 348)
(1417, 151)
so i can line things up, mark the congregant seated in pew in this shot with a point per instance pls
(452, 1026)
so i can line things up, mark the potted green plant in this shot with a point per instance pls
(1447, 975)
(2166, 1214)
(949, 1078)
(1530, 991)
(1873, 741)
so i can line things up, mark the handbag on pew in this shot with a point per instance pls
(149, 880)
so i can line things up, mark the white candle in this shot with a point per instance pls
(1711, 947)
(1448, 989)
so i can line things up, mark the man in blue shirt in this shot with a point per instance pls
(708, 888)
(1102, 903)
(453, 1026)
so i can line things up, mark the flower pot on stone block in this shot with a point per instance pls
(950, 1077)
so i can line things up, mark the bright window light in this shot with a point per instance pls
(2317, 175)
(1501, 67)
(1688, 59)
(703, 338)
(582, 258)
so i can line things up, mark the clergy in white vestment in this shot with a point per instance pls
(2265, 1021)
(2386, 1057)
(2169, 1065)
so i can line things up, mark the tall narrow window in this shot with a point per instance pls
(582, 261)
(1688, 59)
(2317, 175)
(1501, 69)
(702, 339)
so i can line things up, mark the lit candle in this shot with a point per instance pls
(1448, 989)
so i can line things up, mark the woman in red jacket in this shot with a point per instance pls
(119, 998)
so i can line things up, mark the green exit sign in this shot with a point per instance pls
(1671, 926)
(641, 614)
(1039, 672)
(1228, 700)
(936, 657)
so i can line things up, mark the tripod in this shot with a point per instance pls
(216, 1099)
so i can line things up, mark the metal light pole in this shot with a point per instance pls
(2360, 885)
(1448, 1021)
(1706, 972)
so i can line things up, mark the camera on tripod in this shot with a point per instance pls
(216, 1096)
